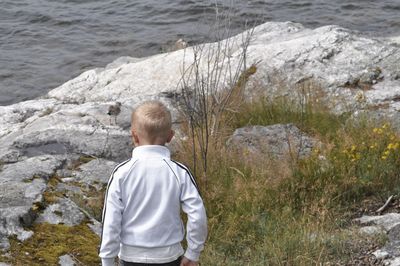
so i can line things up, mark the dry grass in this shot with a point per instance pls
(266, 212)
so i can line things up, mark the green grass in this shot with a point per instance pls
(310, 117)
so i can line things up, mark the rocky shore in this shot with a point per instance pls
(65, 144)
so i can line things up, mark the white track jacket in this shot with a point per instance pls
(143, 202)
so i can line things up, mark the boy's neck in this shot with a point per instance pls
(144, 142)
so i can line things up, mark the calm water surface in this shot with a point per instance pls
(44, 43)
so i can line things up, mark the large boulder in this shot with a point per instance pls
(353, 71)
(275, 141)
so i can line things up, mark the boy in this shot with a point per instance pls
(141, 215)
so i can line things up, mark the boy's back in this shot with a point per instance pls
(141, 215)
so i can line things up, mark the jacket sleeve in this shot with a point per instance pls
(112, 216)
(196, 228)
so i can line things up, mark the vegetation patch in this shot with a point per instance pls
(49, 242)
(81, 160)
(47, 111)
(91, 201)
(261, 211)
(51, 195)
(267, 212)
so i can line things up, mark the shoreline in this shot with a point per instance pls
(390, 37)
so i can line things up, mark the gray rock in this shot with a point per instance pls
(25, 235)
(382, 114)
(64, 211)
(276, 141)
(381, 254)
(68, 188)
(9, 155)
(64, 173)
(96, 226)
(39, 167)
(336, 58)
(123, 61)
(16, 116)
(66, 260)
(371, 230)
(4, 243)
(392, 262)
(22, 185)
(81, 129)
(394, 233)
(95, 173)
(390, 222)
(387, 221)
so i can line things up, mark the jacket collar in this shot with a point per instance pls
(150, 151)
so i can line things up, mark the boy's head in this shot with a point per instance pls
(151, 124)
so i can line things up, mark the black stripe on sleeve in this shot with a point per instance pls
(189, 173)
(109, 183)
(176, 177)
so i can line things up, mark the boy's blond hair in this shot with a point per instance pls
(152, 120)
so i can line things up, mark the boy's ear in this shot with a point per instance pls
(135, 137)
(170, 136)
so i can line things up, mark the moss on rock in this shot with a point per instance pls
(49, 242)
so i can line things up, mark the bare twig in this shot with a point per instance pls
(76, 260)
(381, 209)
(208, 86)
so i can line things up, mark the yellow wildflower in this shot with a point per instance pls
(392, 146)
